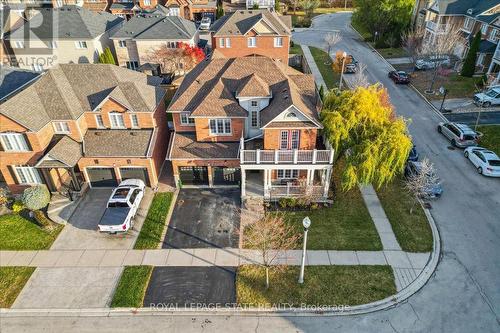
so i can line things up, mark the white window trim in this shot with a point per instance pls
(257, 116)
(30, 175)
(185, 120)
(19, 44)
(99, 124)
(228, 43)
(276, 44)
(61, 127)
(116, 115)
(122, 43)
(484, 28)
(79, 45)
(223, 133)
(134, 119)
(252, 44)
(52, 45)
(292, 174)
(492, 36)
(17, 141)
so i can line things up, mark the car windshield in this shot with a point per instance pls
(402, 74)
(117, 204)
(469, 137)
(494, 162)
(491, 93)
(121, 193)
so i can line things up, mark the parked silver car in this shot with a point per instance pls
(432, 62)
(460, 135)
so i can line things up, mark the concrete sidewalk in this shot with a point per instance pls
(314, 68)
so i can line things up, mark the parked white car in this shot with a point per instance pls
(488, 98)
(486, 162)
(432, 62)
(122, 206)
(205, 23)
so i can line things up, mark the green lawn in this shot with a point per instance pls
(317, 11)
(413, 231)
(321, 57)
(12, 281)
(152, 229)
(491, 137)
(132, 287)
(323, 285)
(296, 49)
(367, 36)
(19, 233)
(346, 225)
(392, 52)
(458, 86)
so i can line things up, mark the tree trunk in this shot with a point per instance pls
(267, 277)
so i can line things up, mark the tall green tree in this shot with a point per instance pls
(219, 11)
(362, 127)
(277, 5)
(384, 16)
(107, 57)
(309, 6)
(469, 66)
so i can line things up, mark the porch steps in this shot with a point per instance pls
(62, 208)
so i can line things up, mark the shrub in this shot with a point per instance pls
(283, 202)
(43, 220)
(17, 206)
(4, 198)
(36, 197)
(469, 66)
(255, 6)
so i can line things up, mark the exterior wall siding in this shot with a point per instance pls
(203, 130)
(307, 139)
(264, 46)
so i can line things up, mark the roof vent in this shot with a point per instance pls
(97, 133)
(285, 97)
(469, 11)
(133, 133)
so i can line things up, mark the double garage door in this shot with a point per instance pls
(106, 177)
(198, 176)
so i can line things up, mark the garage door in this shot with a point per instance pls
(135, 173)
(226, 176)
(193, 175)
(102, 177)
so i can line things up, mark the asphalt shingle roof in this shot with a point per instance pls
(66, 91)
(67, 22)
(13, 78)
(460, 7)
(156, 27)
(117, 143)
(241, 21)
(66, 150)
(185, 146)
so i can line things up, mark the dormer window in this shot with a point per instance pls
(291, 115)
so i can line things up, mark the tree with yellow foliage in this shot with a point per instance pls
(340, 61)
(361, 126)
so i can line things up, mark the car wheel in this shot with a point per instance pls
(453, 143)
(466, 154)
(480, 170)
(487, 104)
(439, 129)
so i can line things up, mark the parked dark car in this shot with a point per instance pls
(413, 156)
(399, 77)
(352, 66)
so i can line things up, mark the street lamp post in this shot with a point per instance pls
(306, 222)
(443, 92)
(344, 55)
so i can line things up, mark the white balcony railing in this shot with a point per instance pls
(436, 27)
(261, 3)
(286, 156)
(296, 191)
(496, 55)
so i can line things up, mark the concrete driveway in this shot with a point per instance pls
(81, 230)
(69, 288)
(183, 286)
(204, 218)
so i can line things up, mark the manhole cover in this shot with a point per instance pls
(451, 148)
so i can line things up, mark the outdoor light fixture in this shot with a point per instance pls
(306, 222)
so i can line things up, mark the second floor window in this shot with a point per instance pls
(99, 121)
(61, 127)
(493, 35)
(122, 43)
(14, 142)
(252, 42)
(222, 42)
(289, 139)
(80, 44)
(175, 11)
(116, 120)
(220, 126)
(19, 44)
(185, 120)
(254, 118)
(134, 120)
(37, 68)
(27, 175)
(278, 41)
(147, 2)
(133, 65)
(468, 24)
(52, 44)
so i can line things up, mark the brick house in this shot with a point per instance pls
(469, 16)
(188, 9)
(68, 34)
(143, 33)
(248, 32)
(249, 121)
(84, 124)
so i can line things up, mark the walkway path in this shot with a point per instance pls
(312, 66)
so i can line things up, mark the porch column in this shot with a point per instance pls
(76, 184)
(492, 64)
(210, 176)
(309, 178)
(326, 184)
(243, 182)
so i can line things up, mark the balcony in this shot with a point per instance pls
(295, 156)
(496, 55)
(261, 3)
(436, 27)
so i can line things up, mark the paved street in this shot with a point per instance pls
(462, 296)
(486, 118)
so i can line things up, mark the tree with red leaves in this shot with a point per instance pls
(177, 60)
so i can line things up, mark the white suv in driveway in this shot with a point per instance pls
(460, 135)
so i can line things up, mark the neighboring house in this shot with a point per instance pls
(94, 5)
(260, 3)
(188, 9)
(13, 80)
(69, 34)
(494, 69)
(84, 124)
(142, 34)
(252, 121)
(10, 19)
(248, 32)
(469, 16)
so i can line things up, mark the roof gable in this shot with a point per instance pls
(241, 22)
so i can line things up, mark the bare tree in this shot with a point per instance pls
(359, 79)
(271, 236)
(419, 184)
(331, 39)
(177, 60)
(412, 43)
(438, 47)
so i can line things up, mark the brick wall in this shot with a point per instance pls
(203, 131)
(307, 139)
(265, 46)
(178, 127)
(146, 119)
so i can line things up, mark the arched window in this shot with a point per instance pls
(291, 115)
